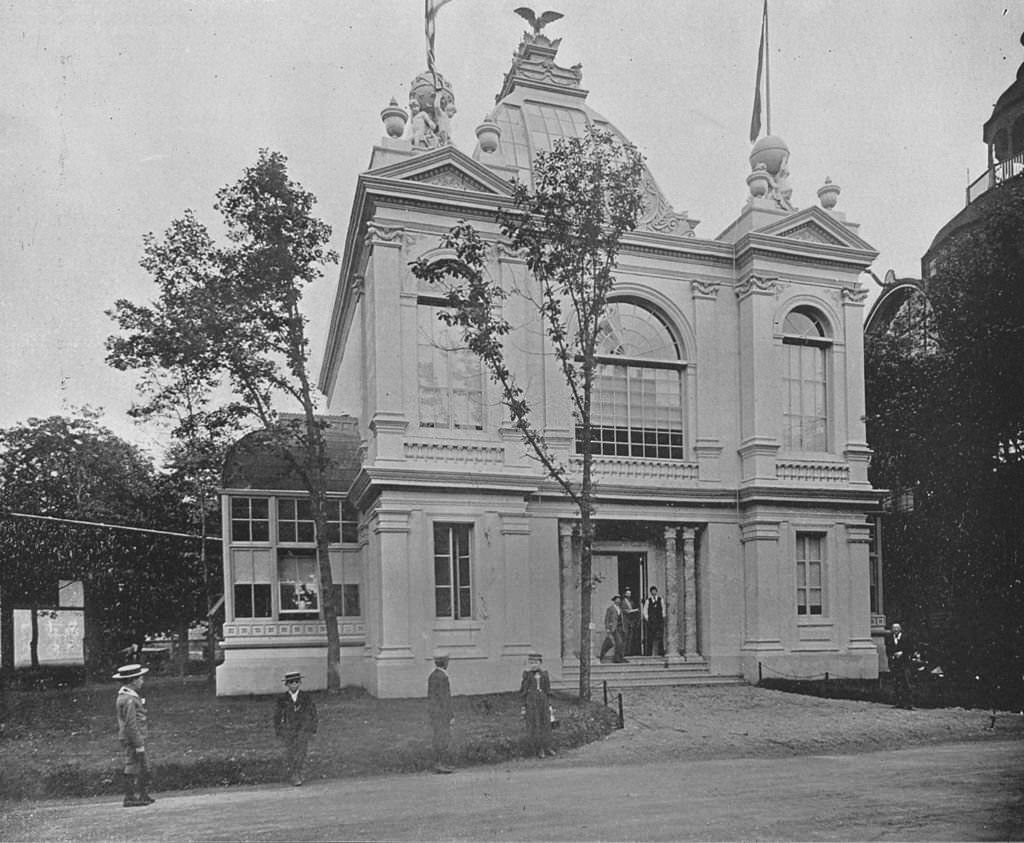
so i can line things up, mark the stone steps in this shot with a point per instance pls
(643, 671)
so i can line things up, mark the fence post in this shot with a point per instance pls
(622, 722)
(604, 684)
(760, 674)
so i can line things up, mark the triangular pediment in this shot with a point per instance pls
(448, 168)
(814, 225)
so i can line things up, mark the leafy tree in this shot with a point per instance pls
(949, 426)
(74, 469)
(586, 196)
(227, 317)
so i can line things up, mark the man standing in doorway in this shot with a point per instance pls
(613, 628)
(631, 623)
(654, 617)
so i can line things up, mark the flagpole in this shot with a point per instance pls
(767, 73)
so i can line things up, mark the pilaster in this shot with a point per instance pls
(382, 312)
(856, 452)
(713, 367)
(763, 581)
(759, 388)
(569, 566)
(397, 605)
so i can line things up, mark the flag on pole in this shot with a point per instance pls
(430, 11)
(755, 118)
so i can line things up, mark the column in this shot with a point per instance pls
(690, 592)
(672, 589)
(570, 586)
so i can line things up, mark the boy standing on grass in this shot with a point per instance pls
(132, 728)
(535, 691)
(295, 721)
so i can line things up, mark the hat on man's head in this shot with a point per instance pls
(294, 676)
(440, 656)
(130, 671)
(616, 597)
(535, 657)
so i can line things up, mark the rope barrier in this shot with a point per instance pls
(795, 677)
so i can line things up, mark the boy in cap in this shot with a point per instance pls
(536, 691)
(131, 732)
(439, 705)
(295, 721)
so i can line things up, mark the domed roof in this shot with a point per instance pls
(541, 102)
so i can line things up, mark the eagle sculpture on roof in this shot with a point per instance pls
(538, 23)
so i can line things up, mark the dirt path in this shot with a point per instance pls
(710, 764)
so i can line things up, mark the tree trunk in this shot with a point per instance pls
(327, 594)
(33, 647)
(586, 563)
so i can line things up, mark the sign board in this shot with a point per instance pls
(71, 594)
(61, 636)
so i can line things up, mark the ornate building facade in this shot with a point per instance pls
(732, 464)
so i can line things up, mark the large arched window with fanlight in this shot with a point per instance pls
(638, 406)
(806, 341)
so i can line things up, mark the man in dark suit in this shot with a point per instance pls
(899, 649)
(295, 722)
(439, 705)
(613, 627)
(653, 609)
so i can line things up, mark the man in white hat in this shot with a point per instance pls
(439, 705)
(295, 722)
(132, 720)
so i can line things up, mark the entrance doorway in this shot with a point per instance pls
(617, 571)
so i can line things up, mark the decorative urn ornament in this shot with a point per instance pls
(828, 193)
(488, 133)
(759, 181)
(394, 118)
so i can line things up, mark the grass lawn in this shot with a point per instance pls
(63, 742)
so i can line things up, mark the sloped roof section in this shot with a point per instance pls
(540, 103)
(813, 225)
(255, 462)
(444, 167)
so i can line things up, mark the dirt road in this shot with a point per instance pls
(717, 764)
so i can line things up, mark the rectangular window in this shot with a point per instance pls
(295, 521)
(806, 417)
(453, 596)
(299, 585)
(875, 564)
(450, 376)
(346, 598)
(342, 523)
(810, 549)
(250, 519)
(252, 585)
(637, 412)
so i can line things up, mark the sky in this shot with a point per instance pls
(118, 115)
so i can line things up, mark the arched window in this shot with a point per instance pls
(806, 343)
(638, 404)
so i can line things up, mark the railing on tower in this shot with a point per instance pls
(999, 172)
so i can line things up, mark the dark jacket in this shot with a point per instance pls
(899, 652)
(292, 719)
(439, 696)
